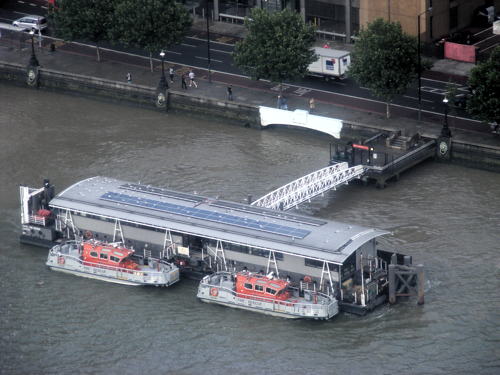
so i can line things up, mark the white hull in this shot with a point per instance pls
(65, 258)
(97, 277)
(262, 311)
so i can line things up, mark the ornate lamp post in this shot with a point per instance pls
(163, 85)
(208, 41)
(445, 131)
(33, 60)
(419, 60)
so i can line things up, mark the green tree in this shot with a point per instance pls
(484, 82)
(87, 20)
(384, 60)
(278, 46)
(152, 25)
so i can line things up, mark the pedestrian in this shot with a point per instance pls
(191, 79)
(229, 93)
(312, 105)
(171, 74)
(129, 77)
(183, 81)
(284, 104)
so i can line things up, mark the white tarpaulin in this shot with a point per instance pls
(300, 118)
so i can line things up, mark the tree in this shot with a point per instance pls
(484, 82)
(278, 46)
(152, 25)
(82, 20)
(384, 60)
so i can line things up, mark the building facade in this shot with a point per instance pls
(342, 19)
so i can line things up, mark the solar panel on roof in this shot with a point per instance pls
(260, 211)
(162, 192)
(197, 213)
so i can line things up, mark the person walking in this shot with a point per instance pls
(129, 77)
(312, 105)
(229, 93)
(171, 74)
(191, 79)
(183, 81)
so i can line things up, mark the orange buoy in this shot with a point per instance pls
(307, 279)
(214, 292)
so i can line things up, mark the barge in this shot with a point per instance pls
(202, 235)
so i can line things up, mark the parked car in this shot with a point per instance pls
(31, 22)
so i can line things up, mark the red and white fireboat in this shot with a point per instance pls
(110, 262)
(267, 295)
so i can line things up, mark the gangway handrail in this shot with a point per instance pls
(309, 186)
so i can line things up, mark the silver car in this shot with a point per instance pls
(31, 22)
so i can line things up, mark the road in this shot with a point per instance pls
(193, 52)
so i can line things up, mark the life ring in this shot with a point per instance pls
(307, 279)
(214, 292)
(60, 260)
(88, 235)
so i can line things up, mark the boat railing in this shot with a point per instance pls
(120, 270)
(38, 220)
(315, 296)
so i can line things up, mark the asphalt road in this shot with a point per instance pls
(193, 52)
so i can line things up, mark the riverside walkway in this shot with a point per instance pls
(15, 47)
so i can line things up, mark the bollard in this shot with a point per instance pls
(392, 283)
(407, 260)
(52, 47)
(394, 258)
(421, 284)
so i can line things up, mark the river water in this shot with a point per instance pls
(445, 216)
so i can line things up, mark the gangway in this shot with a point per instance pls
(309, 186)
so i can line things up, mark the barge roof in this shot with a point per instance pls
(214, 218)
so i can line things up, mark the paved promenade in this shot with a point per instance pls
(115, 66)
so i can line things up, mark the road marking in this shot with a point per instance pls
(20, 2)
(283, 87)
(221, 51)
(301, 91)
(206, 58)
(175, 53)
(412, 97)
(188, 45)
(211, 41)
(33, 5)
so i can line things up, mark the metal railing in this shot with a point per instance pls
(309, 186)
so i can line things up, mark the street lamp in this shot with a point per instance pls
(208, 42)
(445, 131)
(163, 85)
(33, 59)
(420, 65)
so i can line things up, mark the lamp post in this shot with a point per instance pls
(208, 42)
(163, 85)
(33, 59)
(445, 131)
(419, 60)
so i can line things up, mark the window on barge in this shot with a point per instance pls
(114, 259)
(271, 291)
(104, 256)
(248, 286)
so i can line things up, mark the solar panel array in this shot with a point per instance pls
(266, 212)
(213, 216)
(162, 192)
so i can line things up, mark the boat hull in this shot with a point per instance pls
(65, 258)
(219, 289)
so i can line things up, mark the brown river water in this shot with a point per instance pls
(445, 216)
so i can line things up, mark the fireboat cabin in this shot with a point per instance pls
(203, 235)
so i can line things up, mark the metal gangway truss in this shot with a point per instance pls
(309, 186)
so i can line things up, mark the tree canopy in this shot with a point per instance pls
(149, 24)
(484, 82)
(83, 20)
(278, 46)
(384, 60)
